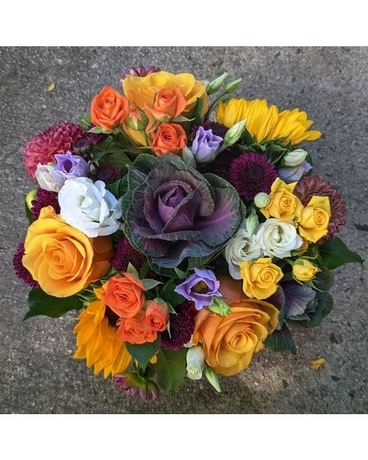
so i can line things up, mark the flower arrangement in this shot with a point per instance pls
(183, 226)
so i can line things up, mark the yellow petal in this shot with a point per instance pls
(316, 363)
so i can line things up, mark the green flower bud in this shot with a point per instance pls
(233, 134)
(252, 222)
(261, 200)
(216, 84)
(230, 87)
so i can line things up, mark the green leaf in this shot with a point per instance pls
(40, 303)
(212, 377)
(144, 352)
(149, 283)
(335, 253)
(281, 340)
(170, 368)
(168, 293)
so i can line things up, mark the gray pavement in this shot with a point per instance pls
(37, 372)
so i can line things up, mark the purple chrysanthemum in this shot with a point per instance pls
(251, 173)
(125, 253)
(310, 186)
(106, 172)
(57, 139)
(20, 270)
(44, 198)
(181, 327)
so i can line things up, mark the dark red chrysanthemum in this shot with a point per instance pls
(310, 186)
(251, 173)
(44, 198)
(57, 139)
(20, 270)
(125, 253)
(181, 327)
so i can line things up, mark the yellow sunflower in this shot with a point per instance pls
(97, 342)
(267, 122)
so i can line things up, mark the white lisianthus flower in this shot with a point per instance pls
(49, 178)
(241, 247)
(195, 362)
(278, 238)
(89, 207)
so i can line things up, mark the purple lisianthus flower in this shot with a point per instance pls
(175, 215)
(294, 174)
(200, 288)
(205, 145)
(71, 166)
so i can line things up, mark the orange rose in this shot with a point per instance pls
(124, 295)
(61, 258)
(229, 342)
(135, 330)
(167, 104)
(157, 315)
(260, 277)
(109, 108)
(169, 138)
(142, 91)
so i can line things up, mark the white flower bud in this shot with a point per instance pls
(195, 363)
(294, 158)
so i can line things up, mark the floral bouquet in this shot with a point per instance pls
(184, 227)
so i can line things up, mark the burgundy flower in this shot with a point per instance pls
(181, 327)
(141, 71)
(20, 270)
(44, 198)
(310, 186)
(251, 173)
(107, 172)
(125, 253)
(57, 139)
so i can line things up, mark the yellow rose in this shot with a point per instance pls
(229, 342)
(283, 203)
(304, 270)
(260, 277)
(314, 219)
(61, 258)
(143, 91)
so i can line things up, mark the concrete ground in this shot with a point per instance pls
(37, 372)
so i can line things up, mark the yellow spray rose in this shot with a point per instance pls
(62, 259)
(314, 219)
(304, 270)
(283, 203)
(260, 277)
(229, 342)
(182, 88)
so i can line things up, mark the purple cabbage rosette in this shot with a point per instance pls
(175, 215)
